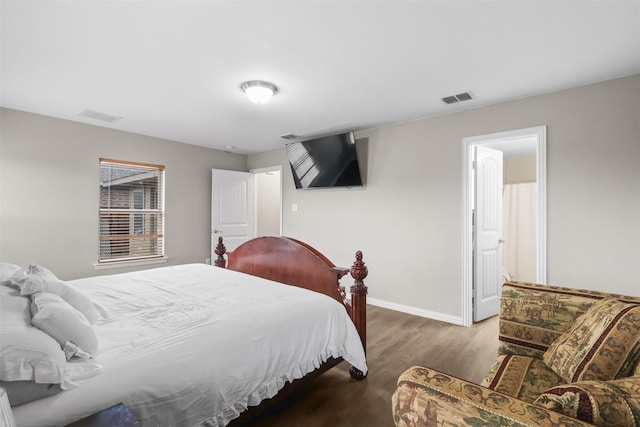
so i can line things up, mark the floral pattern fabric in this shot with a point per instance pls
(532, 317)
(522, 377)
(428, 398)
(603, 344)
(603, 403)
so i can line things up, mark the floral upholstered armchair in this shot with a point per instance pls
(566, 357)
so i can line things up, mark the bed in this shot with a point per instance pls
(197, 344)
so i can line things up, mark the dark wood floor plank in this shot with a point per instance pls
(395, 342)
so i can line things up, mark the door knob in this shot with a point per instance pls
(217, 231)
(500, 241)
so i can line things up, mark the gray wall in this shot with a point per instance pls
(519, 169)
(49, 191)
(408, 219)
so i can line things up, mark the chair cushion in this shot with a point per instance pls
(603, 343)
(425, 397)
(522, 377)
(602, 403)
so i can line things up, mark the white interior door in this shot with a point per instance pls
(487, 259)
(232, 208)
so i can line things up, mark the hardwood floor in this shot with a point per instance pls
(395, 341)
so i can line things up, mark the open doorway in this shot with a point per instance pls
(268, 184)
(514, 146)
(519, 208)
(245, 205)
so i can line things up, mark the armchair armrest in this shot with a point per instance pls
(426, 397)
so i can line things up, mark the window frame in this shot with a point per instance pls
(155, 215)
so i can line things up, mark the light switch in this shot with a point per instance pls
(294, 207)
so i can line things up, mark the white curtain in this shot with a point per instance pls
(519, 249)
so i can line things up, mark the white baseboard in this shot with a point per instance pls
(456, 320)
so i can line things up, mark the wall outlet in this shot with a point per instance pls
(207, 261)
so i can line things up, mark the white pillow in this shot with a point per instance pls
(6, 271)
(15, 308)
(38, 279)
(22, 274)
(29, 354)
(62, 322)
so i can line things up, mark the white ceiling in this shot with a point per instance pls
(173, 69)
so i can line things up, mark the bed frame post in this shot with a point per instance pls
(220, 251)
(359, 305)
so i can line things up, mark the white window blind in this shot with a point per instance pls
(131, 211)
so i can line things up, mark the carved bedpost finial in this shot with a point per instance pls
(359, 306)
(220, 251)
(359, 272)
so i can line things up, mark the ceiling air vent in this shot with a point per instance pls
(97, 115)
(457, 98)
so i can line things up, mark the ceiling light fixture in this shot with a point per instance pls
(259, 91)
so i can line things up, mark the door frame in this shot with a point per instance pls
(540, 133)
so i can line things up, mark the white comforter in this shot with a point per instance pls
(195, 345)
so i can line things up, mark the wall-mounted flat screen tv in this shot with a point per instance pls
(326, 162)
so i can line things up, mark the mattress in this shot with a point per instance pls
(194, 345)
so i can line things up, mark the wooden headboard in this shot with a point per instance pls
(288, 261)
(296, 263)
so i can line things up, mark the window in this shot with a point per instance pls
(303, 164)
(131, 211)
